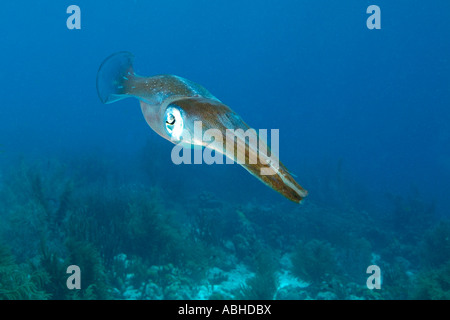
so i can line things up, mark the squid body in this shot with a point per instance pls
(172, 106)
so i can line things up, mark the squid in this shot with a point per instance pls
(172, 106)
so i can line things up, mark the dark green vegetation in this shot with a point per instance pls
(131, 242)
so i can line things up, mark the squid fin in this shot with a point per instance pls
(114, 76)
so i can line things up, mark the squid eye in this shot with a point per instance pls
(174, 122)
(170, 119)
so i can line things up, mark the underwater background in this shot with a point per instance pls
(363, 117)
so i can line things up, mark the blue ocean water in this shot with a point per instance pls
(363, 119)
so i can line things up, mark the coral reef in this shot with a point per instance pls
(132, 241)
(314, 261)
(19, 282)
(433, 284)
